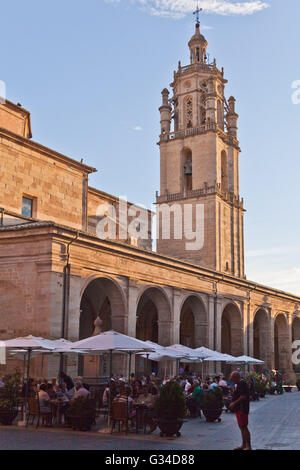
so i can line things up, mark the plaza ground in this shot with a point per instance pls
(274, 424)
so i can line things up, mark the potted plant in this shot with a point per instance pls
(9, 399)
(170, 409)
(212, 405)
(260, 389)
(298, 384)
(81, 414)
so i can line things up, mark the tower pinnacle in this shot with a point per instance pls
(198, 46)
(196, 13)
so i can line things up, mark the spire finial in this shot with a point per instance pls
(197, 14)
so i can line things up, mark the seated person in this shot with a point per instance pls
(45, 405)
(197, 395)
(214, 384)
(64, 397)
(124, 397)
(67, 380)
(80, 391)
(153, 390)
(188, 386)
(223, 385)
(222, 382)
(105, 396)
(50, 390)
(31, 388)
(146, 399)
(54, 384)
(191, 403)
(63, 394)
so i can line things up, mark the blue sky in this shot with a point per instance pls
(91, 74)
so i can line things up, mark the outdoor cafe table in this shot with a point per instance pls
(58, 404)
(141, 414)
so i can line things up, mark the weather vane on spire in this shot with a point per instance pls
(197, 13)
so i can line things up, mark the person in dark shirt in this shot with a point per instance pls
(67, 380)
(241, 406)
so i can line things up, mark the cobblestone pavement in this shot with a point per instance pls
(274, 424)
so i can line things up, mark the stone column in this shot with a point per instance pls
(165, 332)
(266, 342)
(250, 329)
(290, 370)
(218, 325)
(132, 307)
(133, 293)
(177, 301)
(216, 366)
(245, 327)
(272, 341)
(166, 338)
(211, 322)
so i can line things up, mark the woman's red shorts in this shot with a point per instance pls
(242, 419)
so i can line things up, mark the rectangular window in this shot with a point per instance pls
(27, 207)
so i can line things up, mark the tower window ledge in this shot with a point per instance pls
(186, 194)
(199, 67)
(189, 132)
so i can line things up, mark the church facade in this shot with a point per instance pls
(58, 278)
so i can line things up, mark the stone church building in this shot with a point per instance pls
(58, 277)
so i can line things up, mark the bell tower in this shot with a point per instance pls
(199, 167)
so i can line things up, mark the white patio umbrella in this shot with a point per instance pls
(190, 355)
(210, 354)
(207, 351)
(28, 344)
(21, 354)
(110, 342)
(161, 354)
(60, 346)
(220, 357)
(245, 360)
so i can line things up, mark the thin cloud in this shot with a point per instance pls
(137, 128)
(177, 9)
(267, 252)
(287, 279)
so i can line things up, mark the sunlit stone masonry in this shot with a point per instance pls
(59, 279)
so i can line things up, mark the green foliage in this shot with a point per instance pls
(10, 392)
(5, 404)
(213, 400)
(259, 385)
(82, 407)
(171, 403)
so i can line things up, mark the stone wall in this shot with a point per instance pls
(32, 264)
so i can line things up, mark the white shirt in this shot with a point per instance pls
(44, 399)
(222, 383)
(105, 396)
(82, 392)
(187, 387)
(213, 385)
